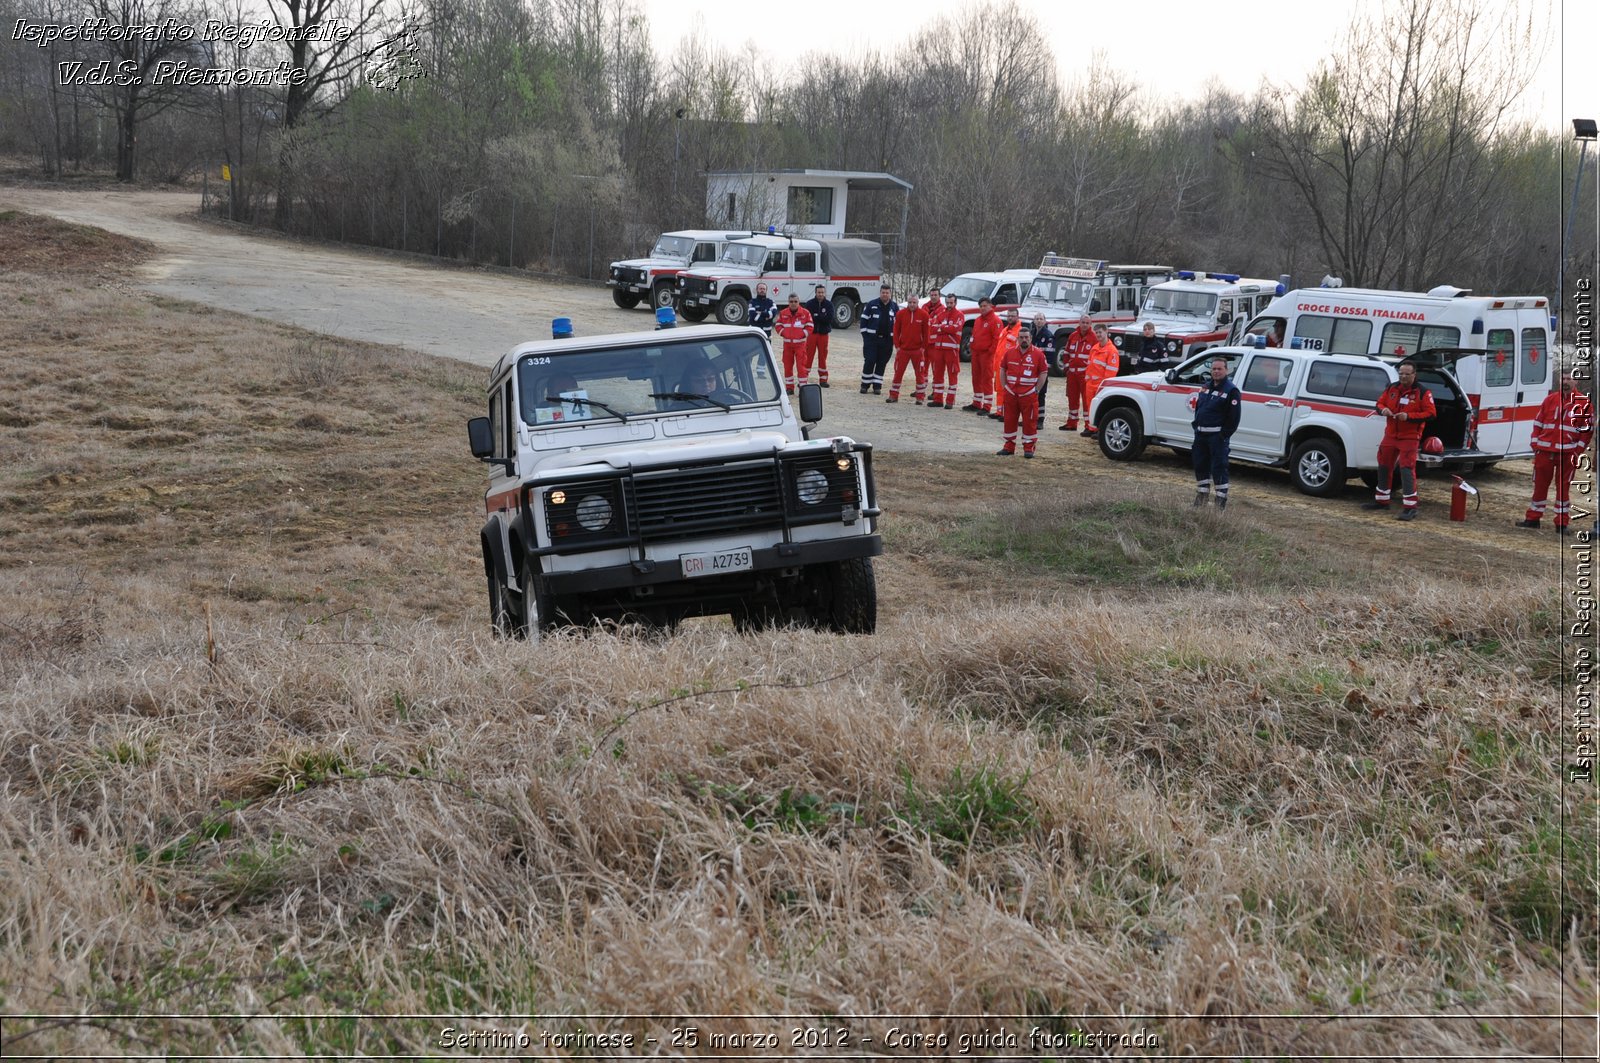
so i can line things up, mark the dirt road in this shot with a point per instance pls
(475, 316)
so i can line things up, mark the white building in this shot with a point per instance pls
(798, 202)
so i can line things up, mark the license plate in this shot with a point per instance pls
(717, 563)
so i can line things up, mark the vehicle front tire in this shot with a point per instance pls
(845, 597)
(1317, 467)
(663, 294)
(966, 343)
(626, 300)
(692, 313)
(733, 310)
(1121, 433)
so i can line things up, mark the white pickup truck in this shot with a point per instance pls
(661, 475)
(1311, 413)
(850, 270)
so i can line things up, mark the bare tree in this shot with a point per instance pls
(143, 36)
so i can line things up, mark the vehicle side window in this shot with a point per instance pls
(1128, 299)
(1535, 364)
(510, 441)
(1101, 301)
(777, 262)
(1198, 372)
(805, 261)
(704, 253)
(497, 423)
(1402, 338)
(1006, 293)
(1267, 376)
(1224, 311)
(1366, 383)
(1262, 300)
(1327, 378)
(1332, 335)
(1500, 358)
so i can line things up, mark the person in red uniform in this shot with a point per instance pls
(910, 341)
(1407, 408)
(1023, 371)
(944, 352)
(1104, 363)
(985, 333)
(1010, 325)
(1560, 435)
(1075, 361)
(794, 328)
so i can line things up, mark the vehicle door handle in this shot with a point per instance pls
(1519, 398)
(1274, 403)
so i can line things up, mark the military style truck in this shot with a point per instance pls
(653, 476)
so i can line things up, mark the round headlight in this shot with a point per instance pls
(594, 513)
(1172, 346)
(1116, 341)
(811, 486)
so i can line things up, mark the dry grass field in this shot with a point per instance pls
(1261, 786)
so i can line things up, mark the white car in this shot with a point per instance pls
(1314, 414)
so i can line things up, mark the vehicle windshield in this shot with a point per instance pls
(672, 247)
(596, 385)
(1061, 291)
(1173, 301)
(970, 289)
(750, 255)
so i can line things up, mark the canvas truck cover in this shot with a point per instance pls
(852, 258)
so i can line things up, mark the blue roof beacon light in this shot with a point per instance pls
(1477, 326)
(561, 328)
(666, 317)
(1260, 342)
(1186, 274)
(1555, 323)
(772, 230)
(1227, 278)
(1280, 289)
(1297, 344)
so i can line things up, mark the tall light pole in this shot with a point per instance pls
(1583, 131)
(677, 150)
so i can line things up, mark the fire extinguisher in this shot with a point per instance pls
(1460, 491)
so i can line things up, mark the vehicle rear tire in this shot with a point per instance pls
(663, 294)
(1058, 367)
(692, 313)
(845, 597)
(1317, 467)
(1121, 433)
(504, 620)
(844, 311)
(1370, 478)
(626, 300)
(733, 310)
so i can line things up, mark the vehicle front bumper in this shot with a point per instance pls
(649, 573)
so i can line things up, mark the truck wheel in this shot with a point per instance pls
(692, 313)
(1121, 433)
(536, 611)
(1057, 366)
(733, 310)
(626, 300)
(1370, 478)
(1317, 466)
(844, 311)
(846, 597)
(663, 294)
(503, 620)
(966, 343)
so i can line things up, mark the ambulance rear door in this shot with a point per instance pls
(1492, 387)
(1534, 373)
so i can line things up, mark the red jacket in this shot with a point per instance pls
(794, 326)
(1075, 355)
(985, 331)
(1416, 403)
(1104, 361)
(1021, 374)
(944, 328)
(1563, 423)
(910, 329)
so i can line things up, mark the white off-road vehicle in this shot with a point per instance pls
(850, 271)
(1193, 312)
(653, 476)
(655, 277)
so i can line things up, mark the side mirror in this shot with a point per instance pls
(480, 437)
(811, 403)
(1172, 376)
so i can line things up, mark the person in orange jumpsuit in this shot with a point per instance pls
(1104, 362)
(944, 352)
(1407, 407)
(985, 333)
(1023, 371)
(794, 328)
(1561, 433)
(1075, 361)
(910, 341)
(1011, 325)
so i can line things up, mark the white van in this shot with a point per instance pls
(1497, 348)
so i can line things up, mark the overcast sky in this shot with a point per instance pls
(1174, 46)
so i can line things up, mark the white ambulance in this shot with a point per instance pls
(1497, 348)
(1193, 312)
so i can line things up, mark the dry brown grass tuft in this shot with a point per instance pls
(32, 243)
(258, 755)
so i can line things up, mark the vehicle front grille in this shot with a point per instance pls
(711, 500)
(694, 285)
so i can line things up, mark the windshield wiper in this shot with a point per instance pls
(684, 396)
(575, 403)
